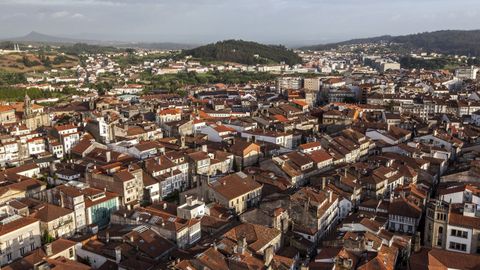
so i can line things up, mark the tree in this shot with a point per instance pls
(29, 63)
(102, 87)
(47, 238)
(390, 106)
(47, 62)
(10, 78)
(244, 52)
(82, 48)
(60, 59)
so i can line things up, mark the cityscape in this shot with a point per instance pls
(120, 150)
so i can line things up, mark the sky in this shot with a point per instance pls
(290, 22)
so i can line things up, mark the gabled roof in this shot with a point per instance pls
(428, 259)
(235, 185)
(402, 207)
(47, 212)
(256, 236)
(16, 224)
(239, 146)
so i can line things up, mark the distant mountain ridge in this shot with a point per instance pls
(36, 37)
(244, 52)
(44, 38)
(464, 42)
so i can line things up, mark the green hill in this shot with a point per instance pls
(463, 42)
(244, 52)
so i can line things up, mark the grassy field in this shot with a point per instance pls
(14, 62)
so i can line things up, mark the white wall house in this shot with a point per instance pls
(459, 239)
(282, 139)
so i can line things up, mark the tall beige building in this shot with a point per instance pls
(126, 182)
(436, 221)
(312, 84)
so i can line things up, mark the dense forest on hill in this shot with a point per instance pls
(244, 52)
(445, 41)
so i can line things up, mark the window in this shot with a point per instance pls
(70, 252)
(440, 230)
(22, 251)
(458, 246)
(458, 233)
(9, 256)
(32, 246)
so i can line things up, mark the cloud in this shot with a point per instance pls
(60, 14)
(78, 16)
(10, 16)
(66, 14)
(198, 21)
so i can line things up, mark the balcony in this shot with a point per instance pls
(63, 223)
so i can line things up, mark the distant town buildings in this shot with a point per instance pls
(345, 161)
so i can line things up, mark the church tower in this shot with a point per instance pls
(436, 220)
(27, 107)
(91, 104)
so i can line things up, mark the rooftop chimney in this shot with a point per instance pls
(182, 142)
(108, 156)
(118, 254)
(48, 249)
(189, 201)
(242, 245)
(268, 256)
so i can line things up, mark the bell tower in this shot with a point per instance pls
(27, 106)
(436, 220)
